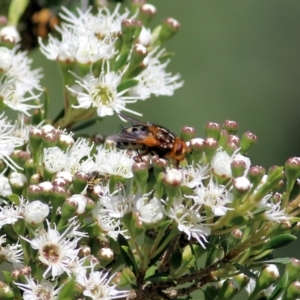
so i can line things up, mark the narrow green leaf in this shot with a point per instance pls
(127, 84)
(13, 198)
(86, 124)
(279, 241)
(127, 254)
(159, 277)
(7, 277)
(67, 291)
(278, 260)
(245, 271)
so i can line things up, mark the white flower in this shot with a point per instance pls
(214, 196)
(85, 38)
(14, 97)
(101, 93)
(194, 175)
(6, 58)
(9, 34)
(5, 189)
(97, 286)
(37, 291)
(36, 212)
(274, 212)
(188, 220)
(221, 163)
(11, 253)
(17, 179)
(10, 214)
(8, 142)
(54, 249)
(20, 72)
(101, 25)
(56, 160)
(108, 225)
(113, 162)
(150, 211)
(154, 79)
(80, 201)
(116, 205)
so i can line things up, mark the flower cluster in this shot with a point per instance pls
(129, 216)
(119, 59)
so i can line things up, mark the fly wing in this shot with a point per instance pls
(133, 121)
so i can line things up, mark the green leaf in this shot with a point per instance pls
(279, 241)
(127, 276)
(245, 271)
(127, 84)
(14, 198)
(279, 287)
(164, 225)
(86, 124)
(127, 254)
(7, 277)
(160, 277)
(278, 260)
(67, 291)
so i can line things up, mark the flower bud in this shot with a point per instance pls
(293, 291)
(20, 157)
(84, 251)
(238, 167)
(234, 139)
(49, 138)
(35, 139)
(65, 141)
(248, 140)
(159, 165)
(212, 130)
(267, 276)
(36, 212)
(197, 149)
(223, 138)
(228, 289)
(187, 133)
(36, 178)
(138, 54)
(9, 35)
(241, 185)
(210, 147)
(34, 192)
(80, 181)
(172, 180)
(292, 171)
(140, 173)
(17, 182)
(231, 126)
(131, 29)
(46, 191)
(293, 269)
(6, 292)
(105, 255)
(146, 13)
(29, 167)
(230, 147)
(169, 27)
(59, 195)
(255, 174)
(68, 210)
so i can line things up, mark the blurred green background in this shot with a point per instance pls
(240, 60)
